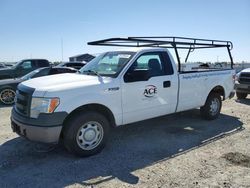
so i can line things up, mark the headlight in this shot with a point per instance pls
(43, 105)
(236, 77)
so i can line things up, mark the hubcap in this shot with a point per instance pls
(215, 106)
(90, 135)
(7, 96)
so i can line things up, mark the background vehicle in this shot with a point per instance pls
(23, 67)
(117, 88)
(242, 84)
(8, 86)
(74, 64)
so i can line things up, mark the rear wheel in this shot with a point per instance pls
(241, 95)
(7, 96)
(86, 134)
(212, 107)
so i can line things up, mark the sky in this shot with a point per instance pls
(40, 28)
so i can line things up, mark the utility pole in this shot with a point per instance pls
(62, 48)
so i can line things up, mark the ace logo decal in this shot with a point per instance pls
(150, 91)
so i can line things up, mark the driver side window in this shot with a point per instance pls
(146, 66)
(26, 65)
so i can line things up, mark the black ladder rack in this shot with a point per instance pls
(167, 42)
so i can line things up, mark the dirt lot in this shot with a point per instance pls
(180, 150)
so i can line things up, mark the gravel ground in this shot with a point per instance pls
(180, 150)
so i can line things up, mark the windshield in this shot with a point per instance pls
(107, 64)
(30, 75)
(16, 64)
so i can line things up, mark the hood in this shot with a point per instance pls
(10, 81)
(65, 81)
(246, 70)
(5, 68)
(5, 71)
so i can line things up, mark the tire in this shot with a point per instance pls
(7, 95)
(211, 109)
(86, 134)
(241, 95)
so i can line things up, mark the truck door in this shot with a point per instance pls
(149, 87)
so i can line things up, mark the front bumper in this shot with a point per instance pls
(46, 128)
(242, 88)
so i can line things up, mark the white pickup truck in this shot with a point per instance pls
(117, 88)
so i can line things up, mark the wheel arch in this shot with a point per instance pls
(105, 111)
(219, 90)
(7, 87)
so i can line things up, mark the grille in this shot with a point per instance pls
(244, 78)
(23, 101)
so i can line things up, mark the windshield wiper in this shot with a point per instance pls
(92, 71)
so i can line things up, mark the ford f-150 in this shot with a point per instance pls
(117, 88)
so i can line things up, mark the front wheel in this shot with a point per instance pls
(86, 134)
(7, 96)
(212, 107)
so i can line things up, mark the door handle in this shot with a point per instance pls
(166, 84)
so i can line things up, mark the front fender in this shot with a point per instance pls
(112, 101)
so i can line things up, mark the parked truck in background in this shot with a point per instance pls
(22, 68)
(242, 84)
(117, 88)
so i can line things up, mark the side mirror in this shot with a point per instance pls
(136, 76)
(128, 77)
